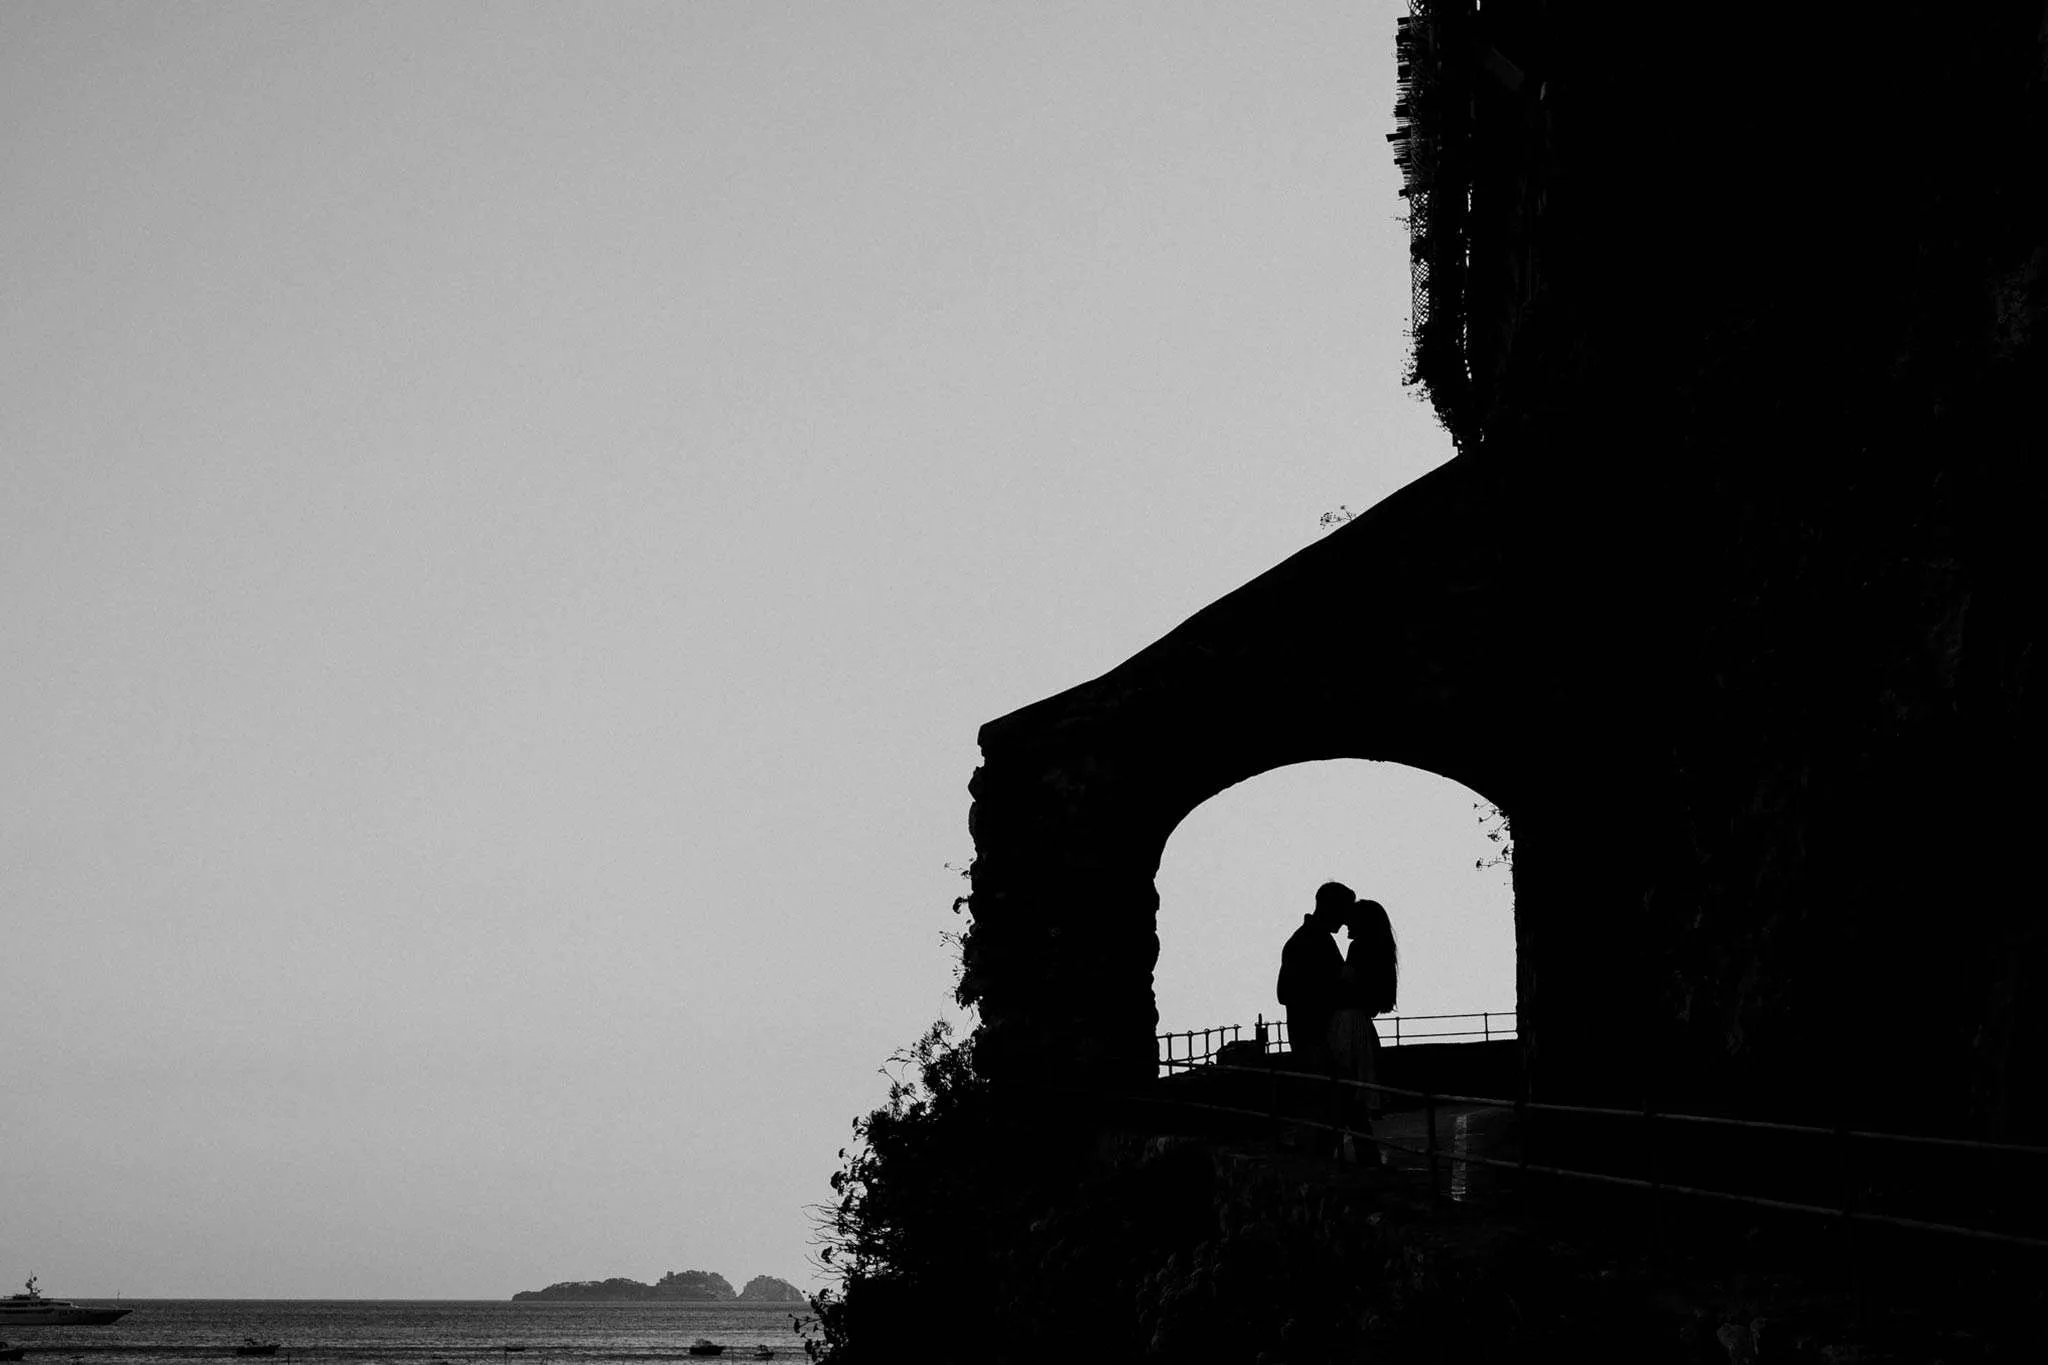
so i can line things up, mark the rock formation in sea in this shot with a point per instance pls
(704, 1286)
(768, 1289)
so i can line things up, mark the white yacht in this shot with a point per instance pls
(33, 1310)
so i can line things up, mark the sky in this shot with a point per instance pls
(511, 517)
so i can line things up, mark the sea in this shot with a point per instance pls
(419, 1332)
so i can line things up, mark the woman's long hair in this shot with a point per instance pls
(1375, 956)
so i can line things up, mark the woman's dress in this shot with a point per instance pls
(1353, 1041)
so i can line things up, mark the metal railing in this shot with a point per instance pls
(1845, 1138)
(1201, 1047)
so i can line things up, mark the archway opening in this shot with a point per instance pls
(1240, 871)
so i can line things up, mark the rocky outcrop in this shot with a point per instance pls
(768, 1289)
(693, 1284)
(688, 1285)
(615, 1290)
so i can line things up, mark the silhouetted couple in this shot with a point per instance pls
(1331, 997)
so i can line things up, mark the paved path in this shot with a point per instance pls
(1462, 1130)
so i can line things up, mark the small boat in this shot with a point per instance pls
(252, 1347)
(703, 1346)
(764, 1353)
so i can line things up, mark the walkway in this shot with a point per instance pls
(1705, 1277)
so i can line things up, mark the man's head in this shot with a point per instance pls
(1333, 903)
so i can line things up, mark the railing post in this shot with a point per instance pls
(1656, 1186)
(1397, 1030)
(1429, 1103)
(1522, 1132)
(1486, 1027)
(1854, 1250)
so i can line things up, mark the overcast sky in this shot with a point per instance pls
(511, 516)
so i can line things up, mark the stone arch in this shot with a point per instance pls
(1400, 637)
(1240, 870)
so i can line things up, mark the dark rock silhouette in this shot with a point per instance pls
(697, 1285)
(613, 1289)
(693, 1284)
(768, 1289)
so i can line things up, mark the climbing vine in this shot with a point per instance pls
(1494, 822)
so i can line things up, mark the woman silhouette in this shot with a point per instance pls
(1372, 969)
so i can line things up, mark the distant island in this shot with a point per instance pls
(682, 1286)
(768, 1289)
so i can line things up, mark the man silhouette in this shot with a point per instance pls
(1311, 971)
